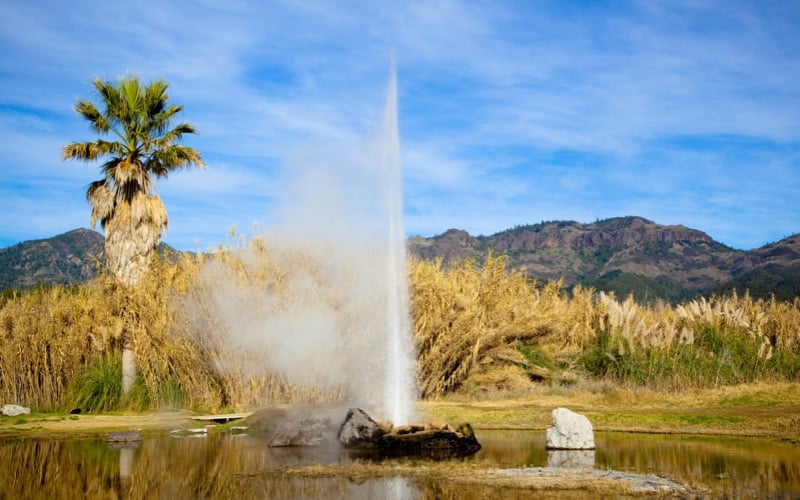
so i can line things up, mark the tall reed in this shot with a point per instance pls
(474, 324)
(466, 316)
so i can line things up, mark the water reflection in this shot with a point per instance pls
(733, 466)
(737, 467)
(571, 459)
(226, 466)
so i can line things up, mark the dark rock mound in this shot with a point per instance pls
(308, 430)
(442, 443)
(298, 425)
(360, 431)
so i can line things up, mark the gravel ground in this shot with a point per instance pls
(639, 483)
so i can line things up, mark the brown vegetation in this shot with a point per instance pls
(476, 329)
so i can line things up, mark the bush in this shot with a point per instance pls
(98, 388)
(714, 357)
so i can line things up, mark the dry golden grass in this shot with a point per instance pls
(466, 316)
(469, 323)
(49, 335)
(469, 320)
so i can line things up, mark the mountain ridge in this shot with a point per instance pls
(624, 255)
(71, 257)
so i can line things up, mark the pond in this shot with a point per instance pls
(222, 465)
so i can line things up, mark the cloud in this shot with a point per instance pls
(508, 111)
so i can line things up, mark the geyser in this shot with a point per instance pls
(400, 394)
(324, 301)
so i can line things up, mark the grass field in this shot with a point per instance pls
(749, 410)
(766, 410)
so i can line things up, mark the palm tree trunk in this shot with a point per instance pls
(132, 235)
(128, 365)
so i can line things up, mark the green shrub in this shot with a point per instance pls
(170, 393)
(535, 356)
(138, 397)
(599, 358)
(98, 388)
(717, 356)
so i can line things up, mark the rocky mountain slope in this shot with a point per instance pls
(626, 255)
(72, 257)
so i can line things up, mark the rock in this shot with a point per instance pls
(263, 423)
(123, 440)
(14, 410)
(305, 431)
(440, 443)
(359, 430)
(466, 431)
(408, 429)
(570, 431)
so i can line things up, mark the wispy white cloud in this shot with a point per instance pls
(510, 113)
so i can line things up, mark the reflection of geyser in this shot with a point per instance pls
(339, 316)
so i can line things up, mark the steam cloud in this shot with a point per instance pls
(317, 314)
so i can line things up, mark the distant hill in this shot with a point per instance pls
(771, 269)
(628, 255)
(71, 257)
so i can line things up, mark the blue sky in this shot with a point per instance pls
(511, 112)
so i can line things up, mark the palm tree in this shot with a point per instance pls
(124, 200)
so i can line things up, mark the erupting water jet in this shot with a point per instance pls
(400, 394)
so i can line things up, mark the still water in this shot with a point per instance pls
(238, 466)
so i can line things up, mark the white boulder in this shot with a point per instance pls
(14, 410)
(570, 431)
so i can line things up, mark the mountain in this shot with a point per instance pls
(771, 269)
(628, 255)
(72, 257)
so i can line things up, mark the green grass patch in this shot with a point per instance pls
(706, 419)
(667, 420)
(98, 388)
(535, 356)
(170, 394)
(716, 357)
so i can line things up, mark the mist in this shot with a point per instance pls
(313, 298)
